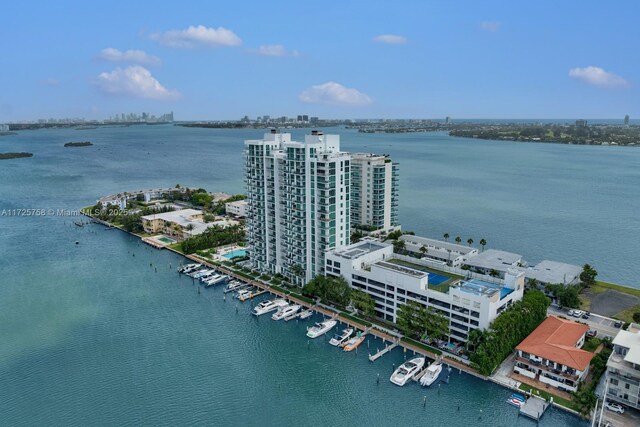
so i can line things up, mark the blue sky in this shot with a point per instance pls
(356, 59)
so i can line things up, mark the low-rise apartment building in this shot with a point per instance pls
(447, 253)
(372, 267)
(623, 368)
(552, 355)
(237, 208)
(180, 224)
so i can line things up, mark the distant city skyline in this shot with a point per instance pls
(204, 62)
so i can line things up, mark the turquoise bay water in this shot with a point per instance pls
(93, 335)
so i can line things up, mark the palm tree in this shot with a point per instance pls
(398, 245)
(423, 250)
(470, 242)
(446, 237)
(483, 242)
(458, 239)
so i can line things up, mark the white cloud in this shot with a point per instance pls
(134, 81)
(197, 36)
(135, 56)
(274, 50)
(596, 76)
(490, 26)
(333, 93)
(390, 39)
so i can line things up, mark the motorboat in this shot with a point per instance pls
(305, 314)
(354, 342)
(209, 273)
(186, 267)
(321, 328)
(268, 306)
(285, 311)
(406, 371)
(432, 374)
(192, 268)
(221, 278)
(234, 285)
(243, 294)
(339, 339)
(203, 273)
(515, 402)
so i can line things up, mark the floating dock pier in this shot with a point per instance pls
(382, 352)
(534, 407)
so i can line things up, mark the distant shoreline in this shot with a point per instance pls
(6, 156)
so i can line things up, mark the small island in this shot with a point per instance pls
(7, 133)
(78, 144)
(5, 156)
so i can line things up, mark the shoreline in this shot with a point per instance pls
(376, 330)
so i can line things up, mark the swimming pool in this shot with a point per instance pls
(235, 254)
(504, 291)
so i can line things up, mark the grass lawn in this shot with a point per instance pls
(546, 395)
(176, 247)
(591, 344)
(600, 287)
(627, 315)
(442, 287)
(585, 303)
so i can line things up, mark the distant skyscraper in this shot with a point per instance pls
(298, 202)
(447, 120)
(313, 120)
(374, 191)
(305, 118)
(299, 118)
(581, 123)
(626, 119)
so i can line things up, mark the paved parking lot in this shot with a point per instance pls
(603, 325)
(630, 418)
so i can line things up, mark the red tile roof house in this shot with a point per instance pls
(551, 354)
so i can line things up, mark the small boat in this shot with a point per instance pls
(519, 397)
(186, 267)
(243, 294)
(305, 314)
(340, 339)
(432, 374)
(234, 285)
(208, 274)
(320, 329)
(285, 311)
(220, 278)
(406, 371)
(203, 273)
(354, 342)
(268, 306)
(515, 402)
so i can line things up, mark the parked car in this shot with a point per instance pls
(578, 313)
(586, 315)
(615, 407)
(618, 324)
(570, 313)
(592, 333)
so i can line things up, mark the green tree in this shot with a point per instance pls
(423, 250)
(356, 236)
(363, 302)
(398, 245)
(636, 317)
(483, 243)
(588, 275)
(458, 239)
(470, 242)
(446, 237)
(201, 199)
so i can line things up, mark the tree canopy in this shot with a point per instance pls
(416, 320)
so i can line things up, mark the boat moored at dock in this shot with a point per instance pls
(305, 314)
(321, 328)
(354, 342)
(431, 375)
(268, 306)
(286, 311)
(407, 370)
(340, 339)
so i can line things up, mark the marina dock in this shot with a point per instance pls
(534, 407)
(385, 350)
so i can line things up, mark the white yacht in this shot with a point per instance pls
(406, 371)
(432, 374)
(234, 285)
(268, 306)
(186, 268)
(320, 329)
(219, 278)
(243, 294)
(286, 311)
(202, 273)
(305, 314)
(341, 338)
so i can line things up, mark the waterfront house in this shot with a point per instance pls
(551, 354)
(237, 208)
(437, 250)
(623, 368)
(493, 262)
(180, 224)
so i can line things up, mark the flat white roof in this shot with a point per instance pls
(437, 243)
(630, 340)
(179, 217)
(553, 272)
(361, 248)
(493, 258)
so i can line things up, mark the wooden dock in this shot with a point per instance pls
(534, 407)
(385, 350)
